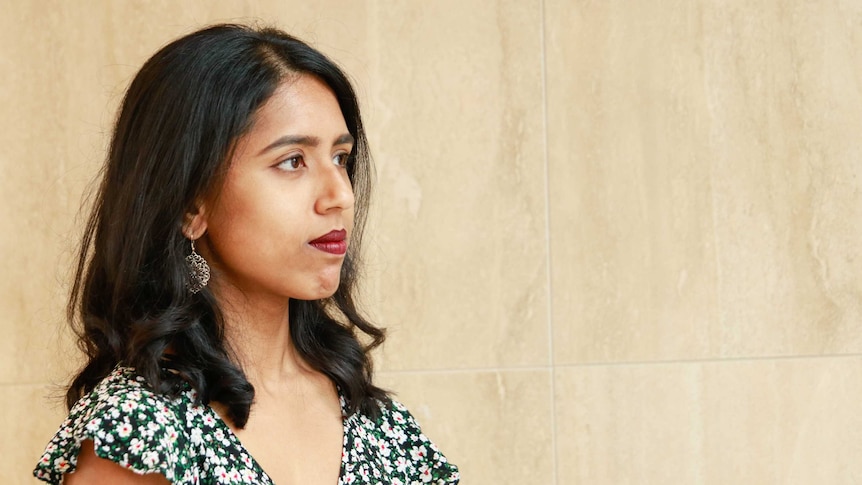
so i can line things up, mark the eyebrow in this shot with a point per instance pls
(306, 140)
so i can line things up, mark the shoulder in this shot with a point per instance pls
(128, 424)
(406, 453)
(92, 470)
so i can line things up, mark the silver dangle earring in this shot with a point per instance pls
(199, 271)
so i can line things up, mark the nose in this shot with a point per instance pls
(335, 190)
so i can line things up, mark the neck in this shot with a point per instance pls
(257, 330)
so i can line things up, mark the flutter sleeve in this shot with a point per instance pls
(128, 424)
(419, 460)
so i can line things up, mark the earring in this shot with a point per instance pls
(199, 271)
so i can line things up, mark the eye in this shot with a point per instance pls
(341, 159)
(291, 164)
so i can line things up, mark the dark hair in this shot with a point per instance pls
(171, 145)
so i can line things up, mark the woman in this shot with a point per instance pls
(215, 283)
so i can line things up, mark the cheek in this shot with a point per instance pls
(244, 224)
(260, 228)
(228, 236)
(233, 221)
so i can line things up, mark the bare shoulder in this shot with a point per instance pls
(92, 470)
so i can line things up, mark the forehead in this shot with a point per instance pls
(302, 105)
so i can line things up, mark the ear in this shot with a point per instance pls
(195, 221)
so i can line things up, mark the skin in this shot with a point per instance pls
(287, 185)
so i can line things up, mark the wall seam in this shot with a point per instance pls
(621, 363)
(548, 258)
(721, 360)
(468, 370)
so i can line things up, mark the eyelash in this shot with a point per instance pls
(343, 156)
(287, 161)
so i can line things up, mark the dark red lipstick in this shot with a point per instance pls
(333, 242)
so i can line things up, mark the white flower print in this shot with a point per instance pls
(425, 473)
(222, 475)
(358, 445)
(150, 458)
(62, 464)
(189, 444)
(162, 418)
(129, 406)
(124, 430)
(136, 446)
(417, 453)
(171, 435)
(93, 425)
(248, 476)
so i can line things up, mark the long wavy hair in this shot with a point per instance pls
(170, 147)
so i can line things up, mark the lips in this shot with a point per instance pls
(333, 242)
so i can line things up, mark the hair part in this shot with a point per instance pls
(171, 146)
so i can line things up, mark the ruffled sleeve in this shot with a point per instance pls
(128, 424)
(419, 460)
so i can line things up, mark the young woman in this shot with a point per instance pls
(215, 286)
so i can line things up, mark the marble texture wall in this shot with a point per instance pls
(614, 242)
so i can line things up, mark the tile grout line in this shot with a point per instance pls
(720, 360)
(548, 259)
(24, 384)
(465, 370)
(539, 368)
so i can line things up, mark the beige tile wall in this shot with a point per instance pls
(614, 242)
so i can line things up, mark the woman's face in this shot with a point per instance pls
(280, 224)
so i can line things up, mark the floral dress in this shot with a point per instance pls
(189, 444)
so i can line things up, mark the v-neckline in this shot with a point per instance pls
(256, 466)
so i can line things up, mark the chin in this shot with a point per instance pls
(328, 292)
(323, 291)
